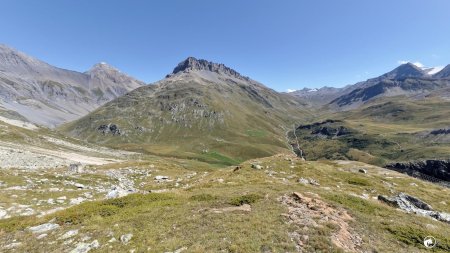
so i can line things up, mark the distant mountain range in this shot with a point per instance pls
(35, 91)
(407, 79)
(48, 96)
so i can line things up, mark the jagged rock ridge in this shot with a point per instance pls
(193, 64)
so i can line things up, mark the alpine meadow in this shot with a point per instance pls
(237, 126)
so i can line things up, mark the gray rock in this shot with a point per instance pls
(192, 63)
(68, 234)
(12, 245)
(161, 177)
(76, 201)
(303, 180)
(412, 204)
(43, 228)
(306, 181)
(83, 247)
(125, 239)
(79, 186)
(76, 168)
(257, 167)
(117, 192)
(110, 128)
(41, 236)
(3, 213)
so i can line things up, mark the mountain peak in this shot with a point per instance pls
(103, 66)
(404, 71)
(194, 64)
(444, 73)
(12, 57)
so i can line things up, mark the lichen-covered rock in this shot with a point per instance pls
(411, 204)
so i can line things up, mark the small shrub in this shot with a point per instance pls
(15, 223)
(357, 204)
(84, 211)
(358, 181)
(203, 197)
(245, 199)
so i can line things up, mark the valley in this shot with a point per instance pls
(209, 160)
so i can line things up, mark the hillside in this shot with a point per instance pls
(385, 130)
(181, 206)
(202, 110)
(405, 80)
(48, 96)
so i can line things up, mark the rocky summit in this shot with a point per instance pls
(192, 64)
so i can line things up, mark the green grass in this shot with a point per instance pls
(86, 211)
(256, 133)
(357, 204)
(413, 235)
(245, 199)
(185, 217)
(216, 157)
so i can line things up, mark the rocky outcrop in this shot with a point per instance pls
(438, 169)
(306, 212)
(444, 73)
(311, 126)
(110, 128)
(412, 204)
(440, 131)
(193, 64)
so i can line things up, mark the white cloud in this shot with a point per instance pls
(418, 64)
(290, 90)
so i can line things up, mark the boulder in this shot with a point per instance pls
(83, 247)
(79, 186)
(257, 167)
(43, 228)
(117, 192)
(161, 177)
(125, 239)
(76, 168)
(411, 204)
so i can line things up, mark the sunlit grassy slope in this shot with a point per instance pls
(386, 130)
(185, 217)
(191, 117)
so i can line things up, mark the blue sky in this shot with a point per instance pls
(286, 44)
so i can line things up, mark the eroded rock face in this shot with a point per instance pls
(192, 63)
(439, 169)
(43, 228)
(109, 129)
(440, 131)
(305, 212)
(411, 204)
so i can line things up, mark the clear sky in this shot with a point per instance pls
(287, 44)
